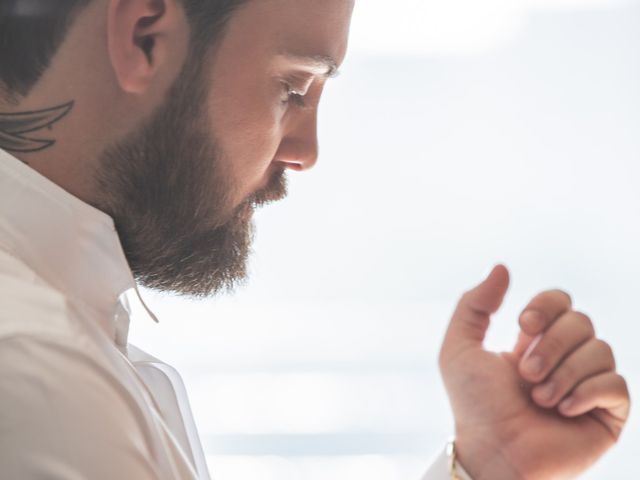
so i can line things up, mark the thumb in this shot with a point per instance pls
(471, 318)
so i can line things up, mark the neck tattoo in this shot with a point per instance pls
(14, 126)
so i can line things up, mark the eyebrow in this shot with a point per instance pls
(322, 65)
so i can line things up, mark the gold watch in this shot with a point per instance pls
(453, 461)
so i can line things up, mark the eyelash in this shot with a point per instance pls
(293, 97)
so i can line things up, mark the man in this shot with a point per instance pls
(138, 136)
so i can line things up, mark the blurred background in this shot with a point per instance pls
(460, 133)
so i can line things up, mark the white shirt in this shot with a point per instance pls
(76, 400)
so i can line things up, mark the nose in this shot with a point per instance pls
(298, 149)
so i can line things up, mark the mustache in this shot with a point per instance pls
(275, 190)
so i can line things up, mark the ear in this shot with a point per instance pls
(147, 42)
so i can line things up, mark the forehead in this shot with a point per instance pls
(265, 28)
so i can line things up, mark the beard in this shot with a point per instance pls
(168, 188)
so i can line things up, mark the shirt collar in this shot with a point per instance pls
(71, 245)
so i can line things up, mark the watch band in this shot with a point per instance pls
(456, 472)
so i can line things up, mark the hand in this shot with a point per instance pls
(548, 409)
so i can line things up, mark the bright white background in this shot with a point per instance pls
(460, 133)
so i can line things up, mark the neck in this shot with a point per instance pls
(24, 132)
(39, 133)
(61, 126)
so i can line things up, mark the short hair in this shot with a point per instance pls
(31, 32)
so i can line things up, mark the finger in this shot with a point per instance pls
(564, 336)
(522, 344)
(591, 359)
(470, 320)
(607, 391)
(543, 310)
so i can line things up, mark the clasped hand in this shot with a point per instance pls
(548, 409)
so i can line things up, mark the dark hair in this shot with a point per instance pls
(31, 32)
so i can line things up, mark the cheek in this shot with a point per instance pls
(248, 131)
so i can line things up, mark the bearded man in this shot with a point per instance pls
(138, 137)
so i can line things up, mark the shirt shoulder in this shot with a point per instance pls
(28, 305)
(50, 392)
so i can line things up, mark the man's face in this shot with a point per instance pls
(182, 188)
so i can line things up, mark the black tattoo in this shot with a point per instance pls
(13, 126)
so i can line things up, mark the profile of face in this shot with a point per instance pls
(183, 186)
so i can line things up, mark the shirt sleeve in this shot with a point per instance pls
(62, 417)
(440, 469)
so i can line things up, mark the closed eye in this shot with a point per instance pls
(296, 99)
(294, 96)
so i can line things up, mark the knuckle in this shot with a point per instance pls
(605, 348)
(466, 297)
(623, 385)
(533, 320)
(603, 352)
(566, 298)
(585, 321)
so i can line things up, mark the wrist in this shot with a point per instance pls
(456, 470)
(482, 460)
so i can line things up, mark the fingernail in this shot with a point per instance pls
(533, 365)
(566, 404)
(545, 392)
(532, 320)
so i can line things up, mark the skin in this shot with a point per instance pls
(283, 133)
(190, 140)
(506, 427)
